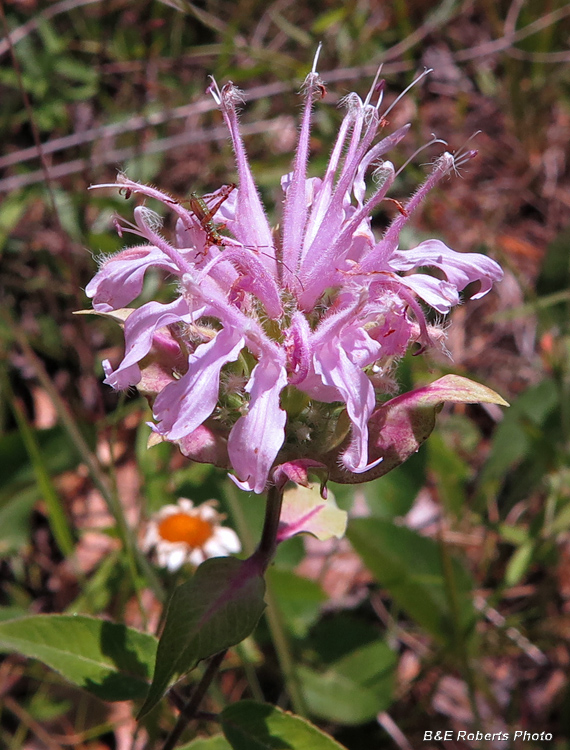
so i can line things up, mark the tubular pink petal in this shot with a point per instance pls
(441, 295)
(323, 312)
(258, 280)
(322, 254)
(295, 208)
(441, 168)
(332, 325)
(298, 346)
(251, 226)
(137, 188)
(141, 218)
(206, 292)
(359, 186)
(320, 203)
(330, 276)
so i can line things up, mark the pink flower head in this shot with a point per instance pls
(276, 348)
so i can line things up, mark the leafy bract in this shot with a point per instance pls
(413, 569)
(217, 608)
(259, 726)
(109, 660)
(305, 511)
(119, 315)
(399, 427)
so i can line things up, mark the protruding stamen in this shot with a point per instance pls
(462, 155)
(463, 159)
(426, 72)
(214, 90)
(372, 89)
(434, 139)
(316, 58)
(380, 88)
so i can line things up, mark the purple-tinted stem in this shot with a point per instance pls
(268, 543)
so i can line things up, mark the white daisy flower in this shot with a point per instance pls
(182, 532)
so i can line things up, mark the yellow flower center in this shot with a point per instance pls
(180, 527)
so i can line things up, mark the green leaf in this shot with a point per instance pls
(512, 441)
(299, 599)
(354, 689)
(451, 473)
(259, 726)
(217, 608)
(338, 635)
(519, 563)
(393, 494)
(15, 529)
(412, 568)
(109, 660)
(56, 514)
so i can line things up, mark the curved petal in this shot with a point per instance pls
(336, 369)
(120, 278)
(139, 332)
(256, 438)
(361, 349)
(441, 295)
(460, 268)
(183, 405)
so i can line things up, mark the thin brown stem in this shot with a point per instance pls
(30, 112)
(190, 710)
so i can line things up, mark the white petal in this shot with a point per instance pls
(176, 559)
(228, 539)
(197, 556)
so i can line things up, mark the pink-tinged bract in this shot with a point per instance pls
(277, 349)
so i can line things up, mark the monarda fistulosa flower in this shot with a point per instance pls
(275, 357)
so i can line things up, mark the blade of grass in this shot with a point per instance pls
(461, 647)
(135, 558)
(57, 518)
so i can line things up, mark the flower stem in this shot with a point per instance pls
(190, 710)
(268, 543)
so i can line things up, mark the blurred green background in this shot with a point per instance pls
(451, 609)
